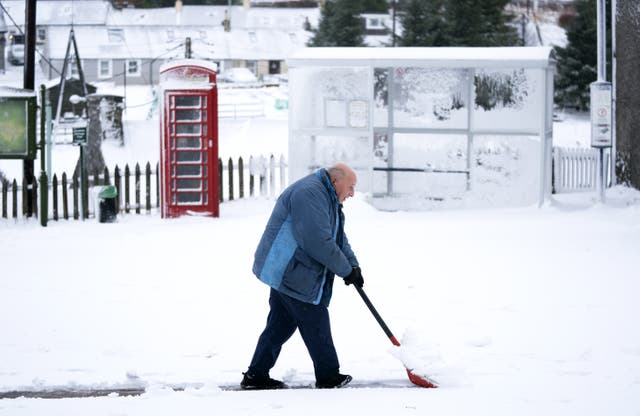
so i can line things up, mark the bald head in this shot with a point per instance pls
(343, 179)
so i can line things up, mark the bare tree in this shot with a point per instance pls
(93, 158)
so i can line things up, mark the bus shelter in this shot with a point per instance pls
(406, 117)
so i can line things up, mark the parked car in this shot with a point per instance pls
(238, 75)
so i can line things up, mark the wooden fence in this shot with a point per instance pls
(139, 188)
(576, 170)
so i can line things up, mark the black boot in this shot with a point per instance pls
(253, 382)
(335, 382)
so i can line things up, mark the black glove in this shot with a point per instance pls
(355, 277)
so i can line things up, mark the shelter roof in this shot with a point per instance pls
(440, 57)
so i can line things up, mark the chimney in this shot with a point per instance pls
(178, 11)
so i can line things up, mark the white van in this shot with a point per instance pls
(16, 54)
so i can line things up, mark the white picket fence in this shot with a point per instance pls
(576, 170)
(241, 110)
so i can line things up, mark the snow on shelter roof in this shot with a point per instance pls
(438, 57)
(16, 92)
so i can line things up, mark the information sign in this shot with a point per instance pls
(17, 124)
(80, 136)
(601, 135)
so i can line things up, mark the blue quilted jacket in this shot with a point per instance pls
(304, 244)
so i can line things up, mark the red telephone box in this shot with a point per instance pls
(189, 139)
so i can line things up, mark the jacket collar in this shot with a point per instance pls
(323, 174)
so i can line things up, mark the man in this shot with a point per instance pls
(302, 248)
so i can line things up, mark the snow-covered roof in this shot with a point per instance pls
(48, 12)
(16, 92)
(136, 42)
(441, 57)
(212, 16)
(100, 12)
(104, 32)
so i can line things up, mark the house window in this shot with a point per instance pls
(253, 37)
(72, 69)
(105, 68)
(42, 34)
(274, 67)
(374, 23)
(115, 35)
(133, 67)
(252, 66)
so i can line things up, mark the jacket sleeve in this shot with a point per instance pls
(311, 224)
(346, 249)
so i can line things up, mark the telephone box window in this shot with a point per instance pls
(188, 143)
(188, 115)
(191, 129)
(189, 170)
(188, 101)
(189, 157)
(189, 184)
(189, 198)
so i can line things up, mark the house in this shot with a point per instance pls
(128, 45)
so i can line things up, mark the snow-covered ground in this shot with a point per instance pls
(514, 311)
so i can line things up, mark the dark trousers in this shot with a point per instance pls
(312, 321)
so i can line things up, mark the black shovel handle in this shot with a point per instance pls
(376, 315)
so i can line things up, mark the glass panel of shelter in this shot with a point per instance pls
(189, 145)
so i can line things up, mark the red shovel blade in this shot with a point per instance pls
(415, 379)
(421, 381)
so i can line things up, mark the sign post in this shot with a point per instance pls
(601, 136)
(601, 98)
(44, 181)
(80, 139)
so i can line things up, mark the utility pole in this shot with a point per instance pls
(393, 23)
(227, 18)
(613, 151)
(29, 84)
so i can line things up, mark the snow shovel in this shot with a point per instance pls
(414, 378)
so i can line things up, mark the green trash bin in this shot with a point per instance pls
(107, 211)
(282, 103)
